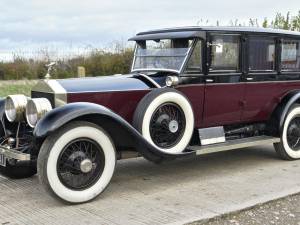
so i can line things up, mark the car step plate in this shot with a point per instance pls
(234, 144)
(2, 160)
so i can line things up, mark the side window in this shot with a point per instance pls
(290, 55)
(225, 51)
(194, 64)
(261, 54)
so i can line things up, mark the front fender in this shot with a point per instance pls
(119, 129)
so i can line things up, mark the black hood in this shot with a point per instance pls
(104, 84)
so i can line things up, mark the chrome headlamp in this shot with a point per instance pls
(15, 106)
(36, 108)
(172, 81)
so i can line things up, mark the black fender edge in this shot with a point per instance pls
(117, 127)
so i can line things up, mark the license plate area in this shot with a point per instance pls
(2, 160)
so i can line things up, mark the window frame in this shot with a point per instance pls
(276, 59)
(193, 48)
(181, 69)
(209, 57)
(281, 49)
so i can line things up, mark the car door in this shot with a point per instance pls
(262, 90)
(224, 90)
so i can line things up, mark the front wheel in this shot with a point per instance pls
(165, 118)
(77, 163)
(289, 147)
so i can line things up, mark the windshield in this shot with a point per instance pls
(161, 55)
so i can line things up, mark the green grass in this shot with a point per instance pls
(15, 89)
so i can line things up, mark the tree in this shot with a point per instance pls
(286, 24)
(295, 24)
(279, 21)
(265, 23)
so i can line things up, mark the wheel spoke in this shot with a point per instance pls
(293, 134)
(69, 163)
(160, 131)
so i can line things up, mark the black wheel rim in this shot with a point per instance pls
(293, 134)
(71, 162)
(167, 125)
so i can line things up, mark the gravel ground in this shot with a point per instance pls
(284, 211)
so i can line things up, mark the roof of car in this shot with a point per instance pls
(195, 31)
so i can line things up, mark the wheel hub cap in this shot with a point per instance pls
(86, 166)
(173, 126)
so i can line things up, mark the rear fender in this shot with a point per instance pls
(279, 114)
(122, 133)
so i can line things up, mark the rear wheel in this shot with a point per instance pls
(289, 147)
(77, 163)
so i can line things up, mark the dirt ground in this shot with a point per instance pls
(285, 211)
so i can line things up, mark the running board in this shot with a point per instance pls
(234, 144)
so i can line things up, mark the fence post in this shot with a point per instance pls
(81, 71)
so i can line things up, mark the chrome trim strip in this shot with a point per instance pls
(107, 91)
(14, 154)
(234, 144)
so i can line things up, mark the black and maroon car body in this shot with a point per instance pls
(191, 91)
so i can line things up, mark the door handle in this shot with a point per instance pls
(209, 80)
(249, 78)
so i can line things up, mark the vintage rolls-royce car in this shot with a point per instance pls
(191, 91)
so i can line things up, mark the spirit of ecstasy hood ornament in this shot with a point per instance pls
(50, 68)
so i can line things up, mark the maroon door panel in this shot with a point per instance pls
(223, 104)
(195, 94)
(261, 98)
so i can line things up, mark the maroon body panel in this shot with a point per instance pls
(223, 104)
(213, 104)
(261, 98)
(123, 103)
(243, 102)
(195, 94)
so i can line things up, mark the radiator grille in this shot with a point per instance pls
(49, 96)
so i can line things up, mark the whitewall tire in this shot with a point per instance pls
(289, 147)
(166, 110)
(83, 150)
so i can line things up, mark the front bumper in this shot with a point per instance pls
(14, 154)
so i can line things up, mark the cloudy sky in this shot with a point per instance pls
(34, 24)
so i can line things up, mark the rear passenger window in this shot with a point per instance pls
(261, 54)
(225, 51)
(290, 55)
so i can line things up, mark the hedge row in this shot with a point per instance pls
(97, 63)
